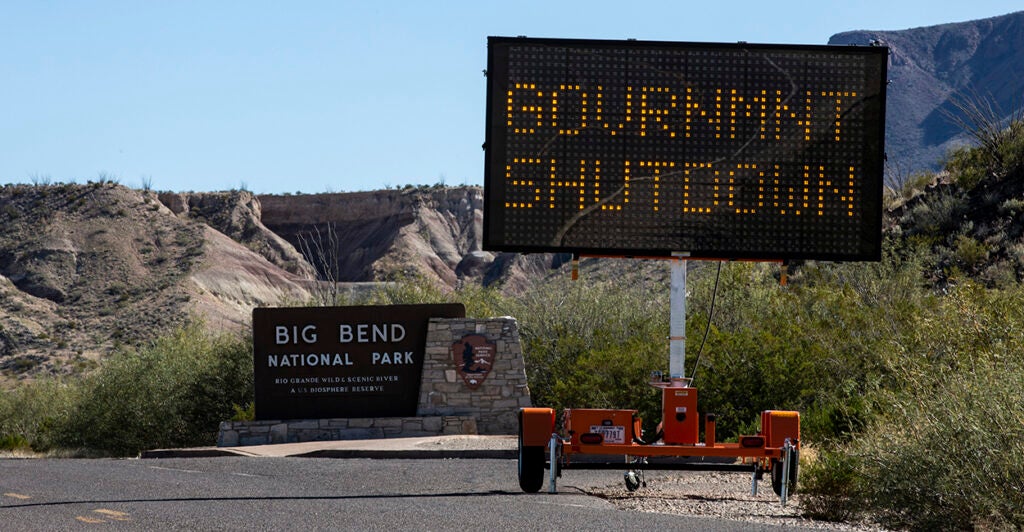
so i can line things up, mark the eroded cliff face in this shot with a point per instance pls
(237, 214)
(85, 269)
(382, 235)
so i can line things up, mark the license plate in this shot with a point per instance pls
(612, 434)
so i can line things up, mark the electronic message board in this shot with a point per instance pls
(632, 148)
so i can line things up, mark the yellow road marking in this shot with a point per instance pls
(90, 520)
(17, 496)
(113, 514)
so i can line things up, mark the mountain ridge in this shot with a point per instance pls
(931, 69)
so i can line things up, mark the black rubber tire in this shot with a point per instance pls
(794, 470)
(531, 465)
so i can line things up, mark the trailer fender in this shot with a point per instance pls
(780, 425)
(537, 425)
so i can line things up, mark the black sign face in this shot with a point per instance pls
(341, 362)
(718, 150)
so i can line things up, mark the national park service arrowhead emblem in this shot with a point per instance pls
(473, 356)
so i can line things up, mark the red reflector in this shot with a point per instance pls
(592, 437)
(751, 441)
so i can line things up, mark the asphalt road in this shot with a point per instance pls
(306, 494)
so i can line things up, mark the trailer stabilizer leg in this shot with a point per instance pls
(553, 462)
(787, 457)
(753, 481)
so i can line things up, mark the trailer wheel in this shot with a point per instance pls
(632, 480)
(531, 465)
(794, 468)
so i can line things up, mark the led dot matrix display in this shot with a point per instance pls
(720, 150)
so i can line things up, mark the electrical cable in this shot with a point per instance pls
(707, 328)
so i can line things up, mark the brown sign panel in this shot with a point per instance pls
(341, 362)
(473, 356)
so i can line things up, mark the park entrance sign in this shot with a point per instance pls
(341, 362)
(729, 151)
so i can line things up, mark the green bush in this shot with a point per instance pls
(940, 213)
(14, 442)
(829, 487)
(969, 166)
(594, 344)
(171, 393)
(32, 412)
(944, 448)
(1012, 207)
(947, 450)
(244, 413)
(814, 346)
(480, 302)
(969, 252)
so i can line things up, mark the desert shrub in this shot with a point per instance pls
(968, 166)
(30, 413)
(941, 213)
(173, 392)
(480, 302)
(913, 185)
(999, 138)
(594, 344)
(14, 442)
(944, 448)
(814, 346)
(947, 452)
(1012, 207)
(934, 462)
(969, 252)
(244, 413)
(829, 485)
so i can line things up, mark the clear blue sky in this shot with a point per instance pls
(323, 96)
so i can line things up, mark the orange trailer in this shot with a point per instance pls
(588, 433)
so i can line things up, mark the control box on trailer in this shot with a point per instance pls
(680, 422)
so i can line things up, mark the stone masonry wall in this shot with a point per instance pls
(447, 405)
(241, 433)
(496, 402)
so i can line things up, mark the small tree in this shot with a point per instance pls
(320, 247)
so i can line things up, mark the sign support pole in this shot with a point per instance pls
(677, 319)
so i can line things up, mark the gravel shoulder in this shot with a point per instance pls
(709, 494)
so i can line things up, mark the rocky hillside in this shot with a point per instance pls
(930, 68)
(86, 268)
(430, 232)
(368, 236)
(237, 214)
(969, 220)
